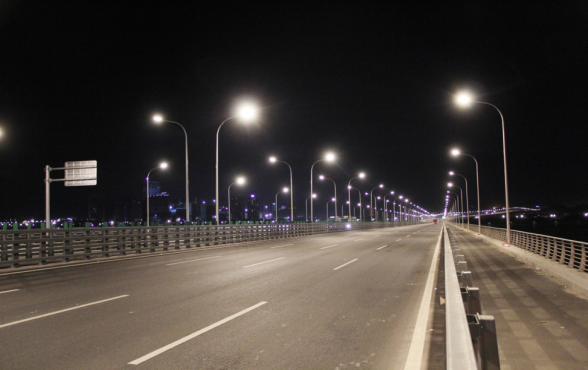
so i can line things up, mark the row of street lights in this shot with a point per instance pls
(465, 100)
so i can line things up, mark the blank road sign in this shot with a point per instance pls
(81, 173)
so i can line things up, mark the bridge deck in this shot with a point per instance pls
(540, 324)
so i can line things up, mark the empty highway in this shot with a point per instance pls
(334, 301)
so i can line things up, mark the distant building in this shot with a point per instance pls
(237, 209)
(252, 209)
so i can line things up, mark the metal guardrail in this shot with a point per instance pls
(567, 252)
(38, 247)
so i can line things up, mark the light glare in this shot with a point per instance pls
(157, 118)
(463, 99)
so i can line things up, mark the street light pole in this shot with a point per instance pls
(321, 177)
(456, 152)
(162, 165)
(360, 176)
(159, 119)
(464, 100)
(314, 196)
(329, 158)
(273, 160)
(467, 196)
(371, 200)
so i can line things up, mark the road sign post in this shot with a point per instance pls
(77, 173)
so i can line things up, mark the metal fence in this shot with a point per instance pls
(571, 253)
(38, 247)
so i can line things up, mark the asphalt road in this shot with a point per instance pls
(333, 301)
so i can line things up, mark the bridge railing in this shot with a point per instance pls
(567, 252)
(38, 247)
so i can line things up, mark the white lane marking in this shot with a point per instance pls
(194, 335)
(261, 263)
(345, 264)
(399, 240)
(61, 311)
(382, 247)
(356, 240)
(408, 236)
(280, 246)
(199, 259)
(375, 236)
(417, 344)
(8, 291)
(329, 246)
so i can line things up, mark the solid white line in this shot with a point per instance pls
(375, 236)
(399, 240)
(280, 246)
(417, 344)
(382, 247)
(356, 240)
(199, 259)
(261, 263)
(193, 335)
(408, 236)
(345, 264)
(8, 291)
(61, 311)
(330, 246)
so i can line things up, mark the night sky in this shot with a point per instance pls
(373, 83)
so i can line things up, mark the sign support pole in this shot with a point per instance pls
(47, 197)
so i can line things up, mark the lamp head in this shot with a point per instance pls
(349, 187)
(333, 199)
(157, 118)
(163, 165)
(392, 193)
(400, 197)
(381, 185)
(240, 180)
(247, 112)
(285, 190)
(406, 200)
(449, 184)
(321, 177)
(314, 195)
(361, 175)
(464, 99)
(272, 159)
(451, 173)
(455, 152)
(329, 157)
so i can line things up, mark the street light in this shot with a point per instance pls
(285, 190)
(274, 160)
(314, 196)
(329, 157)
(246, 112)
(451, 173)
(405, 209)
(394, 208)
(240, 181)
(162, 165)
(321, 177)
(386, 205)
(359, 204)
(159, 119)
(455, 153)
(361, 175)
(464, 99)
(450, 184)
(371, 200)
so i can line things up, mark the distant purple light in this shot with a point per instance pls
(203, 202)
(252, 195)
(214, 201)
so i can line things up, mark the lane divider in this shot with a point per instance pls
(194, 335)
(9, 291)
(280, 246)
(61, 311)
(199, 259)
(382, 247)
(261, 263)
(329, 246)
(345, 264)
(356, 240)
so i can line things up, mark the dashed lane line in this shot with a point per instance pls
(382, 247)
(329, 246)
(261, 263)
(199, 259)
(9, 291)
(345, 264)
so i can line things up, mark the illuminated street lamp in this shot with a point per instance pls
(455, 153)
(274, 160)
(465, 100)
(451, 173)
(321, 177)
(456, 197)
(162, 165)
(314, 196)
(394, 208)
(405, 209)
(285, 190)
(386, 204)
(247, 113)
(159, 119)
(329, 157)
(371, 201)
(240, 181)
(360, 176)
(450, 184)
(359, 204)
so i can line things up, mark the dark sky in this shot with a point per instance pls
(373, 83)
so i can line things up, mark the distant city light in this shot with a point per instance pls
(252, 195)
